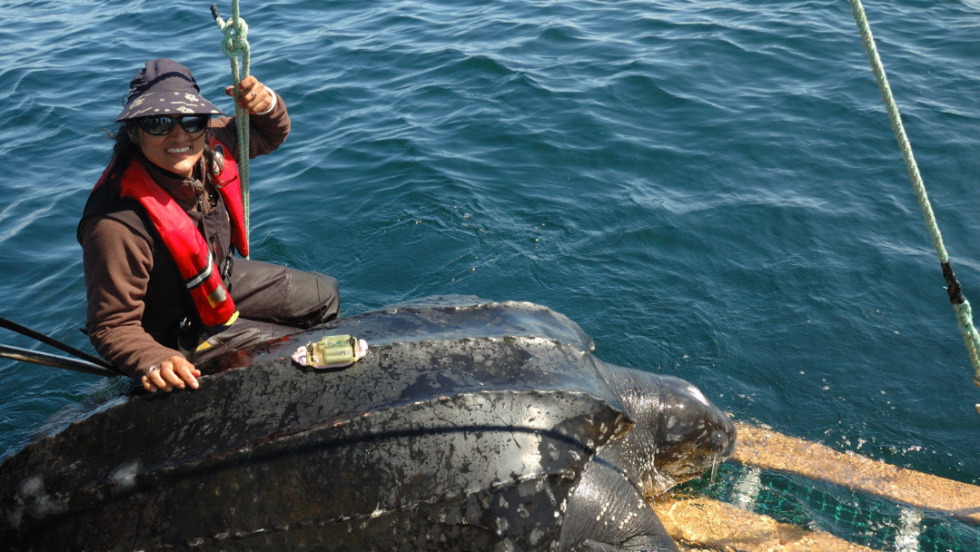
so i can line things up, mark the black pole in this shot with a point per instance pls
(15, 327)
(46, 359)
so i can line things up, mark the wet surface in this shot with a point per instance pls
(432, 318)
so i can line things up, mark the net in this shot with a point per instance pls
(818, 506)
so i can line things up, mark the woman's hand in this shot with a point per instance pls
(255, 97)
(176, 372)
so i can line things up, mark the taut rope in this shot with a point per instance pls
(964, 315)
(235, 44)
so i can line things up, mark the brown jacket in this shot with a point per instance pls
(136, 298)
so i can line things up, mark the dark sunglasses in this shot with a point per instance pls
(163, 125)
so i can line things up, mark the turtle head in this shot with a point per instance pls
(694, 434)
(677, 432)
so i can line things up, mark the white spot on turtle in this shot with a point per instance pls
(124, 478)
(527, 488)
(552, 452)
(551, 497)
(696, 393)
(522, 511)
(39, 503)
(502, 525)
(31, 487)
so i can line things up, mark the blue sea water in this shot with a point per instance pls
(710, 189)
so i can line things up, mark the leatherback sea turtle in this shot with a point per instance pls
(488, 426)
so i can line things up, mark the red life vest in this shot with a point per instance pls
(184, 241)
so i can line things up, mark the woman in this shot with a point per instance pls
(158, 230)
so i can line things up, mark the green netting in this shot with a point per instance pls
(855, 517)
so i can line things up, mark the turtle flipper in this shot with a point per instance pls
(608, 512)
(646, 543)
(656, 540)
(589, 545)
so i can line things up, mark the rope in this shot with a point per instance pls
(235, 44)
(964, 315)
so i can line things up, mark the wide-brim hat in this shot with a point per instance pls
(165, 87)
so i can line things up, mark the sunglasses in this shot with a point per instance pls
(163, 125)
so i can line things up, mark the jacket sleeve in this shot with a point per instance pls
(265, 132)
(117, 270)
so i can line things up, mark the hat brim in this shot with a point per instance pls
(168, 102)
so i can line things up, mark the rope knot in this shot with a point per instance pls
(235, 41)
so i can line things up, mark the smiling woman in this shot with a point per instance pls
(158, 231)
(173, 143)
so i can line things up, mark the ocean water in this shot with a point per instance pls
(711, 189)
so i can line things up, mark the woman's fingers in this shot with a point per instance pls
(245, 85)
(147, 385)
(254, 96)
(257, 99)
(186, 372)
(156, 378)
(170, 377)
(176, 372)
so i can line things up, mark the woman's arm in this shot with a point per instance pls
(117, 266)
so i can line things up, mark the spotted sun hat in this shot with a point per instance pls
(165, 87)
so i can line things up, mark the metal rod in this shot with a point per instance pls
(23, 330)
(46, 359)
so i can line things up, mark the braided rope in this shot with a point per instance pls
(235, 44)
(964, 315)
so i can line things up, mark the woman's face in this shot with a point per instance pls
(177, 152)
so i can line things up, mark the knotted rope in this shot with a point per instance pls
(964, 315)
(235, 44)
